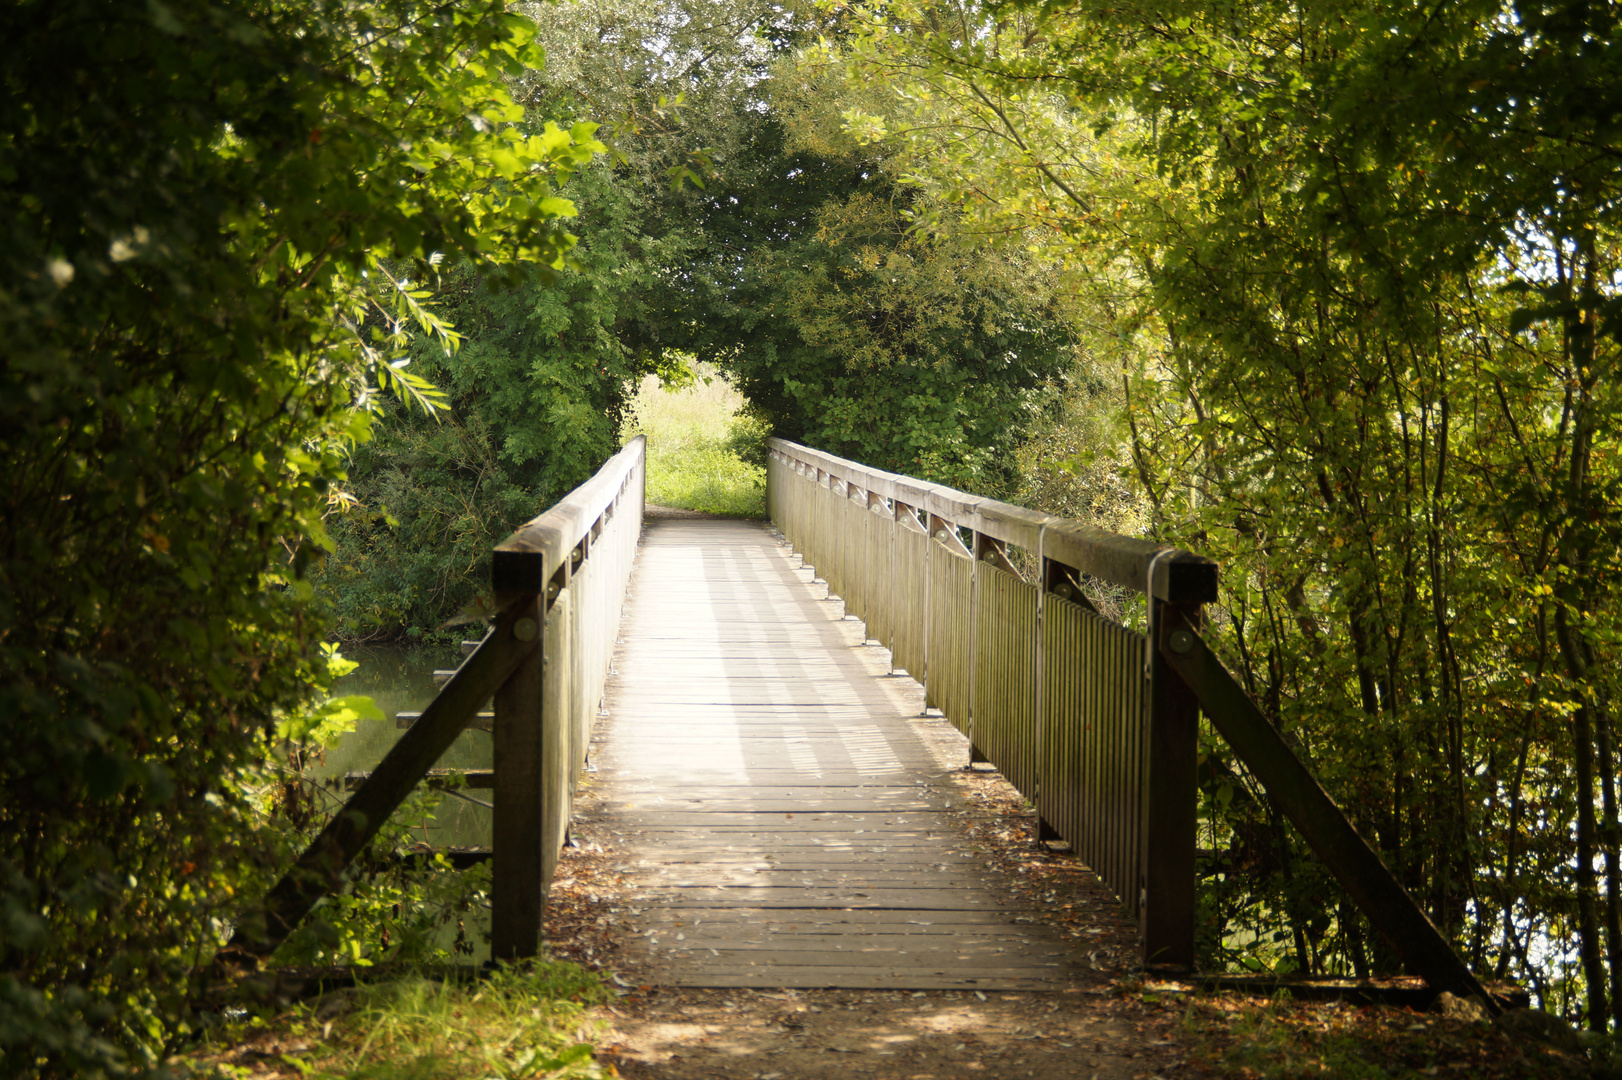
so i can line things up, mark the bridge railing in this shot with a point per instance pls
(1095, 723)
(1072, 707)
(559, 584)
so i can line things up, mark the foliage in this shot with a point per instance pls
(515, 1024)
(849, 330)
(1363, 260)
(533, 403)
(799, 272)
(703, 454)
(536, 395)
(707, 234)
(197, 198)
(398, 903)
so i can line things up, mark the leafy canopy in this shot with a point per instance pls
(196, 202)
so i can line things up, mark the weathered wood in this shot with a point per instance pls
(1355, 864)
(768, 821)
(515, 892)
(529, 559)
(834, 979)
(1170, 809)
(1179, 577)
(319, 870)
(558, 758)
(858, 922)
(484, 720)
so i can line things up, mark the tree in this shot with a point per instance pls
(198, 202)
(1373, 247)
(792, 264)
(534, 398)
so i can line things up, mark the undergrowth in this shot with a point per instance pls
(517, 1024)
(702, 454)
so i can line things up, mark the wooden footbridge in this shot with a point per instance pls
(784, 818)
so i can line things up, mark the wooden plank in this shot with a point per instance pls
(938, 960)
(744, 792)
(823, 979)
(481, 721)
(806, 898)
(558, 759)
(874, 880)
(857, 921)
(723, 934)
(814, 859)
(815, 808)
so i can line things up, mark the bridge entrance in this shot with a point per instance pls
(775, 788)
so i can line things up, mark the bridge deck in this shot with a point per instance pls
(781, 808)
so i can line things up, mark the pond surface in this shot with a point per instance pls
(401, 679)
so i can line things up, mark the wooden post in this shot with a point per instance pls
(557, 735)
(1170, 804)
(320, 869)
(516, 843)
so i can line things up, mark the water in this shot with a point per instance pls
(401, 680)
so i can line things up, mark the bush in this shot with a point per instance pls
(195, 197)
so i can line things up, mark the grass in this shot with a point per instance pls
(691, 462)
(517, 1024)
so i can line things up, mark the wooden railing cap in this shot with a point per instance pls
(526, 561)
(1163, 572)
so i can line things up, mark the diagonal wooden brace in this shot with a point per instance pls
(1355, 864)
(320, 869)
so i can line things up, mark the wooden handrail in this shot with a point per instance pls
(559, 580)
(530, 558)
(1179, 577)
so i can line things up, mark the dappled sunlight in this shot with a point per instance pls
(800, 1035)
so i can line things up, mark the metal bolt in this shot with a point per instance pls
(1064, 590)
(526, 629)
(1181, 642)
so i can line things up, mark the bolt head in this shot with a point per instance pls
(1181, 642)
(526, 629)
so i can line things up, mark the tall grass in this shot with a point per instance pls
(517, 1024)
(692, 433)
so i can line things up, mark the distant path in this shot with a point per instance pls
(780, 822)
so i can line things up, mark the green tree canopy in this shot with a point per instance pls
(198, 201)
(1368, 259)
